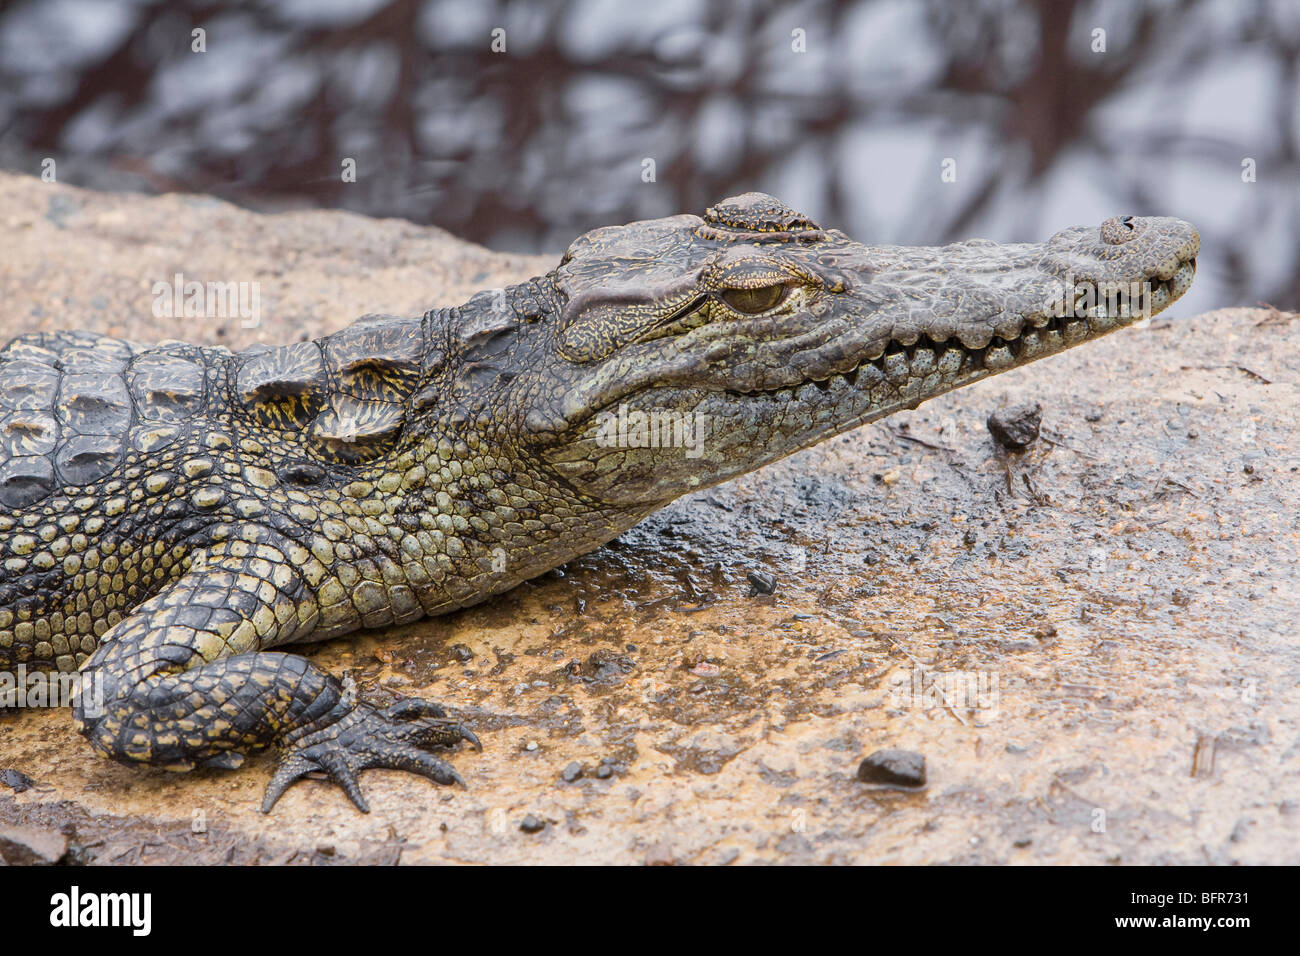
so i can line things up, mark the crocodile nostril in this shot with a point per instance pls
(1119, 229)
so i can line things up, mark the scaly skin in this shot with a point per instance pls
(175, 516)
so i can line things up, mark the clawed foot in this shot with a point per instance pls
(394, 738)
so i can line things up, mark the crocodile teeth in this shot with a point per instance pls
(977, 337)
(999, 356)
(917, 356)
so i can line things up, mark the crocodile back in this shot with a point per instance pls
(73, 403)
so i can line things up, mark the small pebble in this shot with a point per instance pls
(532, 824)
(572, 772)
(894, 768)
(16, 780)
(659, 854)
(1017, 426)
(761, 582)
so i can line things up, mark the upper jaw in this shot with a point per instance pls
(996, 306)
(935, 316)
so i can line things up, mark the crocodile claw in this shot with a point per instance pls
(397, 737)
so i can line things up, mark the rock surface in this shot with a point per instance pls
(30, 846)
(1065, 635)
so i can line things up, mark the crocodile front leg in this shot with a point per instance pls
(187, 681)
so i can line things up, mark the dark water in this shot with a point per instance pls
(850, 111)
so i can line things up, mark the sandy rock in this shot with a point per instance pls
(31, 846)
(1153, 539)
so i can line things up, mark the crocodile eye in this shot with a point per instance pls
(754, 301)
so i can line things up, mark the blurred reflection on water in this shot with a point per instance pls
(847, 110)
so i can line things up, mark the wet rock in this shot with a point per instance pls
(30, 846)
(761, 582)
(893, 768)
(16, 780)
(532, 824)
(1016, 427)
(602, 667)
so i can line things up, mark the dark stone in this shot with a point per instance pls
(16, 780)
(30, 846)
(761, 582)
(532, 824)
(895, 768)
(1017, 426)
(572, 772)
(603, 667)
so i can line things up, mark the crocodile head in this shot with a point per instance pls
(689, 350)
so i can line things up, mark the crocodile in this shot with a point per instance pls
(177, 517)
